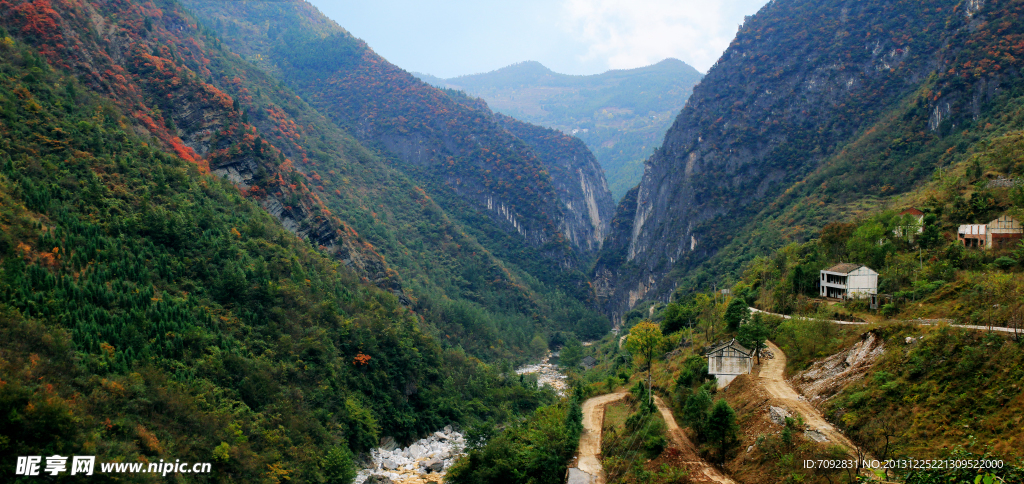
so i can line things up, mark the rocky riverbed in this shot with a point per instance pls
(547, 374)
(424, 461)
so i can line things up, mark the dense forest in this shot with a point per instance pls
(148, 310)
(195, 264)
(203, 101)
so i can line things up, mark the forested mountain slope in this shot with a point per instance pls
(149, 311)
(621, 115)
(446, 145)
(815, 111)
(194, 98)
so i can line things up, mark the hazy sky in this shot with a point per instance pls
(456, 37)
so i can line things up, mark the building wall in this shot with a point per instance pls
(861, 283)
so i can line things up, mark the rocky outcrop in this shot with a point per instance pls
(610, 264)
(829, 376)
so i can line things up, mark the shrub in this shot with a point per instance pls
(1005, 262)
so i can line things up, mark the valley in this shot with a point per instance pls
(232, 233)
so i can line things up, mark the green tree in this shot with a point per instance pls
(736, 312)
(870, 244)
(754, 334)
(931, 236)
(695, 371)
(571, 354)
(538, 346)
(338, 465)
(643, 342)
(695, 413)
(678, 315)
(722, 430)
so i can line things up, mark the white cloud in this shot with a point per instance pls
(636, 33)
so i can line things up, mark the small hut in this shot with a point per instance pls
(728, 360)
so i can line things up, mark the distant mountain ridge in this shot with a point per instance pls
(620, 114)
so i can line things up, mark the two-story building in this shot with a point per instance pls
(848, 281)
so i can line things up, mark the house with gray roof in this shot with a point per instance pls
(848, 281)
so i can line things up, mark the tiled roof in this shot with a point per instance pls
(733, 343)
(844, 268)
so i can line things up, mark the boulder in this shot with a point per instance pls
(815, 436)
(375, 479)
(778, 415)
(432, 465)
(388, 443)
(415, 451)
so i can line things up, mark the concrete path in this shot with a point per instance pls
(919, 322)
(590, 439)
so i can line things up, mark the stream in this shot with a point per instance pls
(547, 374)
(426, 460)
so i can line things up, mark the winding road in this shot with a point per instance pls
(588, 463)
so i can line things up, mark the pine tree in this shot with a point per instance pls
(722, 429)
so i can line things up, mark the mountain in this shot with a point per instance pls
(202, 102)
(621, 114)
(152, 310)
(816, 111)
(457, 151)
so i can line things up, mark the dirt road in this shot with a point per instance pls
(694, 464)
(773, 379)
(588, 457)
(590, 440)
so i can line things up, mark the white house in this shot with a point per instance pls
(728, 360)
(848, 281)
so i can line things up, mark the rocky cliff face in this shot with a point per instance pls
(800, 83)
(578, 180)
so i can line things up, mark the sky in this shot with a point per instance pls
(459, 37)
